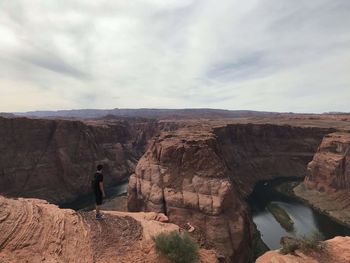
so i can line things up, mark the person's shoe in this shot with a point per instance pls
(99, 217)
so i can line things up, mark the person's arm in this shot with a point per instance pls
(102, 189)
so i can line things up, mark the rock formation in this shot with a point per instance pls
(337, 250)
(183, 174)
(54, 159)
(327, 183)
(329, 171)
(255, 152)
(199, 175)
(195, 172)
(33, 230)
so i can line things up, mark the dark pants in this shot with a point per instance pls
(99, 198)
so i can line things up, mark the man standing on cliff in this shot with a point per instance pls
(99, 191)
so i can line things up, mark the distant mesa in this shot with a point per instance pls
(7, 115)
(146, 113)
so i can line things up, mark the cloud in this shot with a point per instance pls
(53, 63)
(263, 55)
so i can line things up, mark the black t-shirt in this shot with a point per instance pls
(98, 177)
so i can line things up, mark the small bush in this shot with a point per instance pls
(313, 242)
(290, 247)
(178, 248)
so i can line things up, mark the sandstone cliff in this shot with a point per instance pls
(33, 230)
(195, 174)
(255, 152)
(327, 183)
(330, 168)
(200, 174)
(54, 159)
(337, 250)
(183, 174)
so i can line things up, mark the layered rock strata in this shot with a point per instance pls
(33, 230)
(329, 171)
(200, 175)
(55, 159)
(327, 183)
(255, 152)
(183, 174)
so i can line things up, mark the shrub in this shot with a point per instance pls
(313, 242)
(178, 248)
(290, 246)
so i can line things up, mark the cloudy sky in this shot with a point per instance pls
(274, 55)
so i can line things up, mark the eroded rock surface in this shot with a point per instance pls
(255, 152)
(54, 159)
(199, 175)
(329, 171)
(337, 250)
(327, 183)
(183, 174)
(33, 230)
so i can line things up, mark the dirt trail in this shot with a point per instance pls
(122, 232)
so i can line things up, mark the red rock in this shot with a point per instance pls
(327, 183)
(55, 159)
(198, 175)
(183, 175)
(256, 152)
(330, 168)
(33, 230)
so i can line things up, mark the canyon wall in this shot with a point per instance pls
(330, 168)
(200, 175)
(255, 152)
(327, 183)
(55, 159)
(196, 174)
(183, 174)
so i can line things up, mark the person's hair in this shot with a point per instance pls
(99, 167)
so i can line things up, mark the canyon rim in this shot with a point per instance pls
(193, 171)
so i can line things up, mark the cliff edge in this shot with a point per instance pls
(327, 183)
(337, 250)
(32, 230)
(183, 175)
